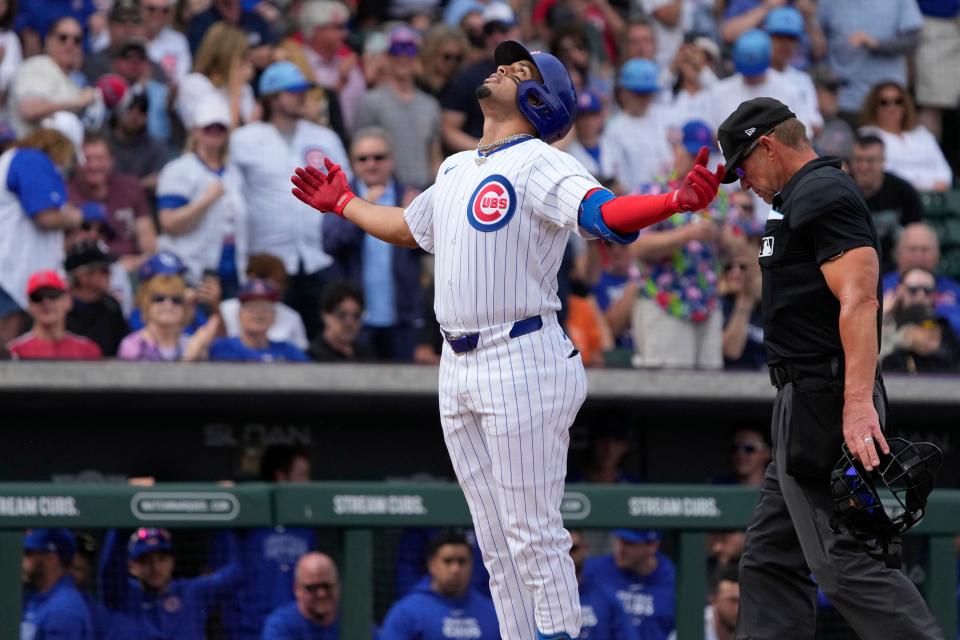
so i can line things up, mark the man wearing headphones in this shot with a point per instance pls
(497, 219)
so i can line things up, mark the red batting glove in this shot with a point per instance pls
(323, 192)
(700, 186)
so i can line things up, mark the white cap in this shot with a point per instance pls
(212, 109)
(499, 12)
(70, 126)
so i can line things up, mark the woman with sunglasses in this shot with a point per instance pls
(201, 210)
(912, 151)
(163, 302)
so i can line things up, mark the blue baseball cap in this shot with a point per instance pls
(588, 102)
(149, 540)
(58, 541)
(636, 536)
(162, 263)
(784, 21)
(751, 53)
(696, 134)
(640, 76)
(94, 212)
(283, 76)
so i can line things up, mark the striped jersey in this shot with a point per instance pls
(498, 227)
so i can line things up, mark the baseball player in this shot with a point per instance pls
(497, 219)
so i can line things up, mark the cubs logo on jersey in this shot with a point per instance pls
(492, 204)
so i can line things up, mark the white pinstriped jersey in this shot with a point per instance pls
(498, 230)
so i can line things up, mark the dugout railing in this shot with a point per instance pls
(356, 510)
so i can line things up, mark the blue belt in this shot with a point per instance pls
(469, 341)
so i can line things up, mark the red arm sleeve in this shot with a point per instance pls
(631, 213)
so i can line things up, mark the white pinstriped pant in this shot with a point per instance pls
(506, 409)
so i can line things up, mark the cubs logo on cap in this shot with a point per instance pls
(492, 204)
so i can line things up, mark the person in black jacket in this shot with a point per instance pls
(388, 275)
(95, 313)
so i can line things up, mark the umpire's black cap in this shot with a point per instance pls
(743, 127)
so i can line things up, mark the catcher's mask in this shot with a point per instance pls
(876, 507)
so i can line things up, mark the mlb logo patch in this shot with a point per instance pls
(766, 249)
(492, 204)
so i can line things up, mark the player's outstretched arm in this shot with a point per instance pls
(627, 214)
(330, 192)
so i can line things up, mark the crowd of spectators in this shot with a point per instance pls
(145, 210)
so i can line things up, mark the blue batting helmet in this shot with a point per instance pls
(551, 105)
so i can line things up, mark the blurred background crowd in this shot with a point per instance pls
(145, 211)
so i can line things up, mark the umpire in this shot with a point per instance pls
(821, 318)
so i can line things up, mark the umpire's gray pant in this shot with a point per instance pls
(789, 538)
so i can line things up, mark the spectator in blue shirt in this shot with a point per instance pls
(314, 615)
(152, 605)
(643, 580)
(389, 275)
(603, 617)
(53, 608)
(443, 606)
(258, 301)
(268, 555)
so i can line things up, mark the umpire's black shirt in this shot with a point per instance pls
(818, 215)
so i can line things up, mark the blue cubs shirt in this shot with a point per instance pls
(233, 349)
(36, 181)
(603, 616)
(58, 614)
(286, 623)
(268, 557)
(179, 613)
(649, 601)
(427, 615)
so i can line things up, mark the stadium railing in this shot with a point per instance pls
(356, 510)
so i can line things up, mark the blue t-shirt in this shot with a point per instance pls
(427, 615)
(286, 623)
(58, 614)
(233, 349)
(36, 181)
(649, 601)
(608, 290)
(268, 557)
(603, 617)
